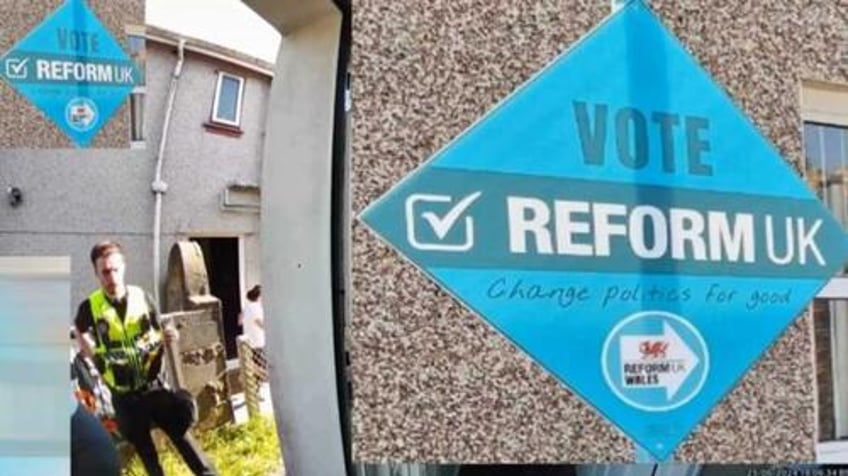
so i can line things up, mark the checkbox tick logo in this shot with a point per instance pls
(440, 225)
(16, 68)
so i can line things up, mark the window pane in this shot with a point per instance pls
(135, 44)
(136, 50)
(811, 145)
(228, 99)
(830, 321)
(826, 157)
(832, 143)
(832, 139)
(813, 157)
(137, 116)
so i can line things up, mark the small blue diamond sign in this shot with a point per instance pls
(623, 223)
(72, 69)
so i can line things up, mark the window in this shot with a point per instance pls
(825, 112)
(137, 116)
(137, 51)
(227, 106)
(826, 164)
(830, 323)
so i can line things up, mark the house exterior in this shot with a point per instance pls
(431, 380)
(68, 199)
(23, 124)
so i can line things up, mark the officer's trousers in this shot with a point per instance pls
(137, 413)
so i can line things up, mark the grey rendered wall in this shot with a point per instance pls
(433, 382)
(73, 199)
(23, 125)
(199, 164)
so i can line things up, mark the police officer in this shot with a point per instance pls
(121, 331)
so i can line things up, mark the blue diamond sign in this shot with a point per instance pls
(72, 69)
(623, 223)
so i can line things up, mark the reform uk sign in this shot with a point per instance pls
(72, 69)
(622, 222)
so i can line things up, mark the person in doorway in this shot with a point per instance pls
(120, 330)
(252, 320)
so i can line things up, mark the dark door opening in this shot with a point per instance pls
(222, 264)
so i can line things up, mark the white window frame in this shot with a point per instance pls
(240, 95)
(827, 103)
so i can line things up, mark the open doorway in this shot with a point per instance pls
(222, 264)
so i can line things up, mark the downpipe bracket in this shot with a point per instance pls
(159, 187)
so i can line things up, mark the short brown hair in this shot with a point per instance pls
(254, 293)
(104, 248)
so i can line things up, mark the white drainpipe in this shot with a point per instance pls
(159, 186)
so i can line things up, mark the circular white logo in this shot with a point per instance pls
(81, 114)
(655, 361)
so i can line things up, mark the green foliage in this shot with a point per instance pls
(250, 449)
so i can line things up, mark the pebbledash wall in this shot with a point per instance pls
(433, 382)
(71, 199)
(22, 125)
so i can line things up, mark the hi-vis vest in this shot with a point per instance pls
(127, 348)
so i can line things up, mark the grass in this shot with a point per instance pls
(250, 449)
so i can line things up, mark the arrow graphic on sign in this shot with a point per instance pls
(651, 361)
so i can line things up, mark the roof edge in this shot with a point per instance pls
(196, 45)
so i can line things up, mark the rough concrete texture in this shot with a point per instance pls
(22, 125)
(433, 382)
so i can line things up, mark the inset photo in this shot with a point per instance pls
(132, 143)
(70, 72)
